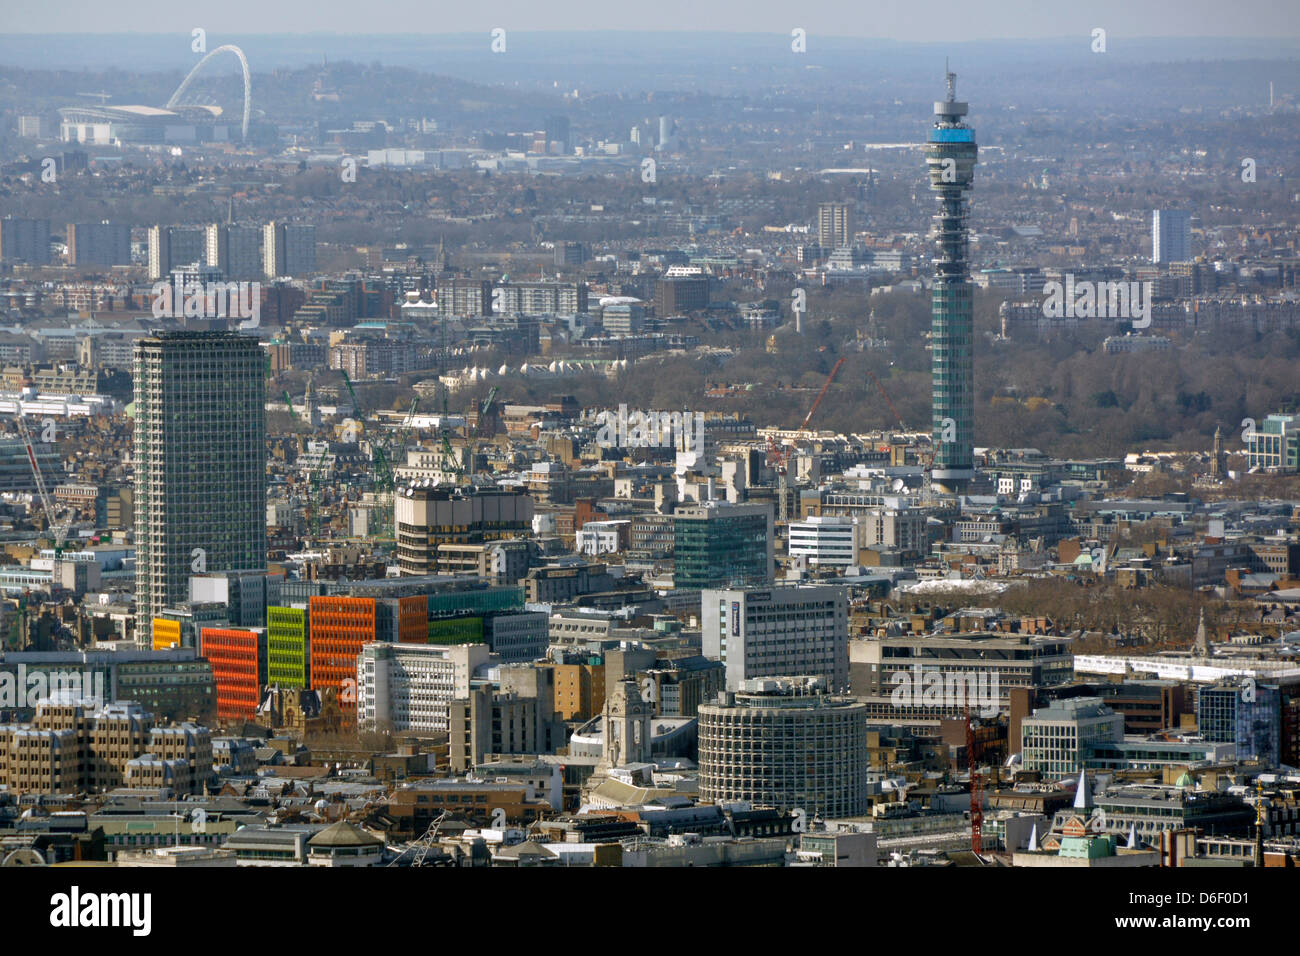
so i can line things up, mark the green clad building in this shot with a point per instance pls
(456, 630)
(287, 653)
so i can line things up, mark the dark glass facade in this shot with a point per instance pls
(720, 551)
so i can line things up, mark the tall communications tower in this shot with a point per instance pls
(950, 158)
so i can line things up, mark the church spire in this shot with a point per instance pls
(1083, 793)
(1202, 647)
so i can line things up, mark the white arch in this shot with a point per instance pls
(248, 86)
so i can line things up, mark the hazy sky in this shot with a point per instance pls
(943, 20)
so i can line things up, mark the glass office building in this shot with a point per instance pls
(722, 545)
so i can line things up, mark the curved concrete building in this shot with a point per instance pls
(784, 742)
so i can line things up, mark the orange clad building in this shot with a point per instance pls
(340, 626)
(234, 656)
(413, 619)
(166, 634)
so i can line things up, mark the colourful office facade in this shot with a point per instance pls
(412, 619)
(456, 630)
(233, 654)
(338, 628)
(166, 634)
(287, 655)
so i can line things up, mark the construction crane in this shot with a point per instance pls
(484, 411)
(820, 395)
(888, 400)
(927, 475)
(423, 845)
(384, 481)
(352, 392)
(384, 459)
(59, 530)
(976, 791)
(313, 476)
(779, 458)
(313, 472)
(449, 462)
(404, 431)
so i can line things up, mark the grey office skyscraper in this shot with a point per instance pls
(1171, 235)
(950, 156)
(200, 464)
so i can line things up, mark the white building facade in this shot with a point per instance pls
(768, 632)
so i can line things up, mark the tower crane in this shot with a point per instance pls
(781, 456)
(383, 463)
(449, 462)
(352, 393)
(405, 429)
(820, 395)
(927, 463)
(58, 530)
(313, 471)
(484, 411)
(423, 845)
(384, 481)
(888, 400)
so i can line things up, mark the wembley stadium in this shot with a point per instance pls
(175, 123)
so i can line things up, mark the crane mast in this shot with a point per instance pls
(59, 530)
(820, 395)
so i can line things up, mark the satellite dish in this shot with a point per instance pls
(899, 484)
